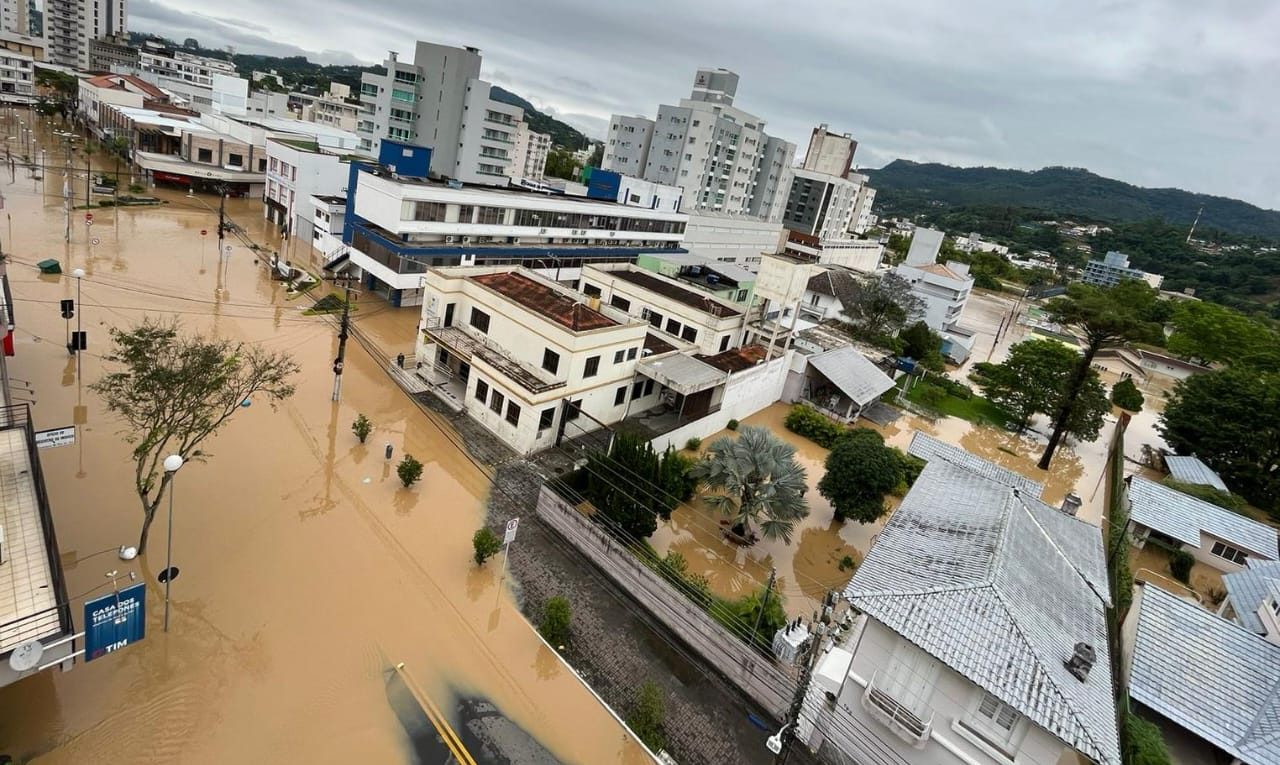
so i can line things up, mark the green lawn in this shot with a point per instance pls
(976, 410)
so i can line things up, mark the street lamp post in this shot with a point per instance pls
(79, 277)
(171, 465)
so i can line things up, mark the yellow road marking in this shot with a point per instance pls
(447, 734)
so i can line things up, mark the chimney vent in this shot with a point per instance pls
(1071, 504)
(1081, 661)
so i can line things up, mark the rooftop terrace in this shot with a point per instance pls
(675, 292)
(545, 300)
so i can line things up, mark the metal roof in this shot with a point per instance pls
(1184, 518)
(1248, 588)
(1208, 675)
(853, 374)
(1192, 470)
(683, 374)
(981, 576)
(928, 448)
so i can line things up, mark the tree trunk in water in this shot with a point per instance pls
(1068, 404)
(148, 517)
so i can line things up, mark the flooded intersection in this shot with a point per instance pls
(307, 572)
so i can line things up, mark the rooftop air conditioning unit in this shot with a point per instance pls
(450, 239)
(466, 240)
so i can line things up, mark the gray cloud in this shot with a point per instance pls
(1157, 92)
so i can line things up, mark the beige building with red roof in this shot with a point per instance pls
(116, 90)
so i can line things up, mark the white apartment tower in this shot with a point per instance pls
(439, 101)
(719, 155)
(529, 159)
(20, 17)
(70, 25)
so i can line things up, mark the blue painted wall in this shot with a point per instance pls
(603, 184)
(404, 159)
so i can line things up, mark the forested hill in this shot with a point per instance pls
(562, 134)
(906, 187)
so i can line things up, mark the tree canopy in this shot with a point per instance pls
(1230, 419)
(1207, 333)
(755, 480)
(1035, 378)
(633, 486)
(880, 306)
(174, 391)
(924, 345)
(860, 471)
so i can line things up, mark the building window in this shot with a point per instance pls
(724, 343)
(994, 722)
(621, 303)
(550, 361)
(204, 155)
(690, 334)
(428, 211)
(1227, 552)
(572, 411)
(590, 290)
(480, 320)
(592, 367)
(496, 402)
(482, 390)
(648, 387)
(465, 213)
(492, 216)
(673, 327)
(637, 389)
(619, 356)
(620, 396)
(513, 413)
(631, 353)
(547, 418)
(655, 319)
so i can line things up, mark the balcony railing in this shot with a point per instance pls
(467, 345)
(905, 723)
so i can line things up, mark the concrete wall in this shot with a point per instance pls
(730, 239)
(757, 677)
(746, 393)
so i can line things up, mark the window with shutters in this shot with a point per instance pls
(994, 723)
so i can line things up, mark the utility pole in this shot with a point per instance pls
(223, 226)
(802, 687)
(764, 605)
(342, 335)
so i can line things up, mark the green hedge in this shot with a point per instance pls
(1145, 745)
(813, 425)
(1180, 563)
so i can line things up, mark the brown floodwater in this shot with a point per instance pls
(307, 572)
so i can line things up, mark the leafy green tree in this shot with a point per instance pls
(648, 716)
(1205, 333)
(561, 164)
(1126, 395)
(877, 306)
(1143, 743)
(860, 471)
(1033, 380)
(1230, 419)
(633, 486)
(755, 480)
(362, 427)
(557, 620)
(485, 544)
(924, 345)
(754, 610)
(409, 470)
(1102, 317)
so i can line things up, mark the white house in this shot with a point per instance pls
(980, 636)
(1215, 536)
(1212, 686)
(1253, 599)
(944, 289)
(684, 315)
(297, 169)
(328, 213)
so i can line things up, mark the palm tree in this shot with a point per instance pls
(756, 480)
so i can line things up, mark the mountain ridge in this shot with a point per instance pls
(907, 187)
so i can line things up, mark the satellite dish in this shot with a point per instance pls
(26, 656)
(168, 575)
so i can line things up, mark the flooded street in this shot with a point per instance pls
(307, 572)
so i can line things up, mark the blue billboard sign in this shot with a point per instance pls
(113, 621)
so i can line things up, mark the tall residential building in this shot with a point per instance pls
(830, 153)
(530, 157)
(717, 153)
(70, 25)
(821, 204)
(1113, 269)
(439, 101)
(20, 17)
(156, 59)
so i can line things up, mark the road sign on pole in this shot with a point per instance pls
(113, 621)
(512, 526)
(48, 439)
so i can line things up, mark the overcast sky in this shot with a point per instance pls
(1154, 92)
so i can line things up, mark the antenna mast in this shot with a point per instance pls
(1193, 224)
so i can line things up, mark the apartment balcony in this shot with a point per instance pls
(467, 347)
(893, 714)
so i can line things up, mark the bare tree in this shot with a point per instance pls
(175, 390)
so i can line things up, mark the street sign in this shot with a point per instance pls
(510, 536)
(113, 621)
(95, 241)
(204, 232)
(48, 439)
(88, 217)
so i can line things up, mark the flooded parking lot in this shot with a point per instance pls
(307, 571)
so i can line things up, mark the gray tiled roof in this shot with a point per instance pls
(928, 448)
(1192, 470)
(1248, 588)
(1208, 675)
(999, 587)
(853, 374)
(1183, 517)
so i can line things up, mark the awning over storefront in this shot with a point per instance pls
(171, 165)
